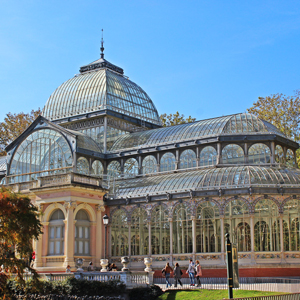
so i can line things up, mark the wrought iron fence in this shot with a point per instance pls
(275, 297)
(289, 285)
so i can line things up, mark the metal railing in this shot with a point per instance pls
(275, 297)
(288, 285)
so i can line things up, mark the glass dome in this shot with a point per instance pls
(228, 125)
(98, 90)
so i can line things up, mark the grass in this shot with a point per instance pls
(212, 294)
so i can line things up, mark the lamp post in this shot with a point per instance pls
(105, 222)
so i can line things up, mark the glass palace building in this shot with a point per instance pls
(171, 193)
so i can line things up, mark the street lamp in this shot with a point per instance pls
(105, 222)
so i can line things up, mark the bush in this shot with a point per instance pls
(70, 286)
(147, 293)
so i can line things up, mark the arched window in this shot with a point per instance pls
(167, 162)
(182, 230)
(119, 233)
(232, 154)
(43, 152)
(188, 159)
(149, 164)
(207, 224)
(279, 154)
(82, 233)
(131, 167)
(208, 156)
(291, 217)
(82, 165)
(259, 154)
(160, 231)
(56, 233)
(97, 168)
(266, 234)
(114, 169)
(139, 232)
(290, 158)
(238, 220)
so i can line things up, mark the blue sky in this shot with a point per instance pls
(202, 58)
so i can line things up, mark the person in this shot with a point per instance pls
(90, 267)
(177, 274)
(68, 269)
(198, 272)
(114, 268)
(191, 272)
(167, 271)
(109, 267)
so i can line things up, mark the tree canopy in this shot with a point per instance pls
(13, 125)
(280, 110)
(283, 112)
(19, 225)
(175, 119)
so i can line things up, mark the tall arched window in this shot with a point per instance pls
(139, 232)
(208, 156)
(266, 231)
(182, 230)
(160, 231)
(82, 165)
(279, 154)
(56, 233)
(114, 169)
(238, 220)
(131, 167)
(97, 168)
(188, 159)
(233, 154)
(290, 158)
(291, 217)
(167, 162)
(149, 164)
(207, 228)
(82, 233)
(119, 233)
(259, 154)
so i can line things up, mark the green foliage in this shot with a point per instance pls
(13, 125)
(148, 293)
(175, 119)
(70, 286)
(19, 224)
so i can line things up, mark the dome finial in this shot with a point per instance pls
(102, 48)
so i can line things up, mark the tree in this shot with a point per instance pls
(13, 125)
(280, 110)
(283, 112)
(19, 225)
(175, 119)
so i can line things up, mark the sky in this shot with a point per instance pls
(201, 58)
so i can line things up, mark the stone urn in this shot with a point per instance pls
(125, 262)
(79, 263)
(104, 264)
(148, 263)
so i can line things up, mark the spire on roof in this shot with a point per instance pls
(102, 48)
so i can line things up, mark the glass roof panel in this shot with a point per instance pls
(213, 178)
(3, 163)
(233, 124)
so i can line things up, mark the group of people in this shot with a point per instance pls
(194, 270)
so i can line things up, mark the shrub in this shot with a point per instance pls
(147, 293)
